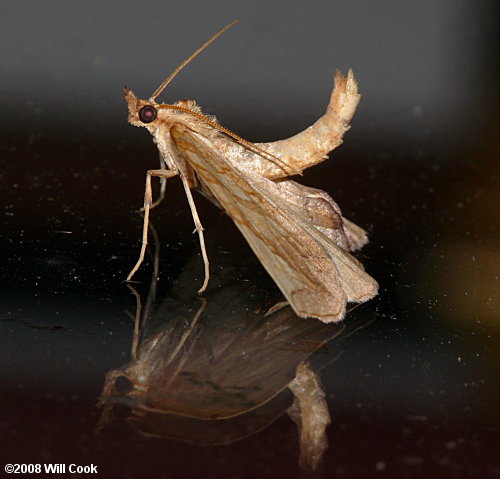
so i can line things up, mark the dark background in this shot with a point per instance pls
(415, 393)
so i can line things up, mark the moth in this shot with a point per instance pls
(297, 232)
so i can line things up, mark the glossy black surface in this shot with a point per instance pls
(415, 391)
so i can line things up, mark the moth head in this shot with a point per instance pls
(145, 113)
(140, 112)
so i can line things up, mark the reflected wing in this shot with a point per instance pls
(316, 276)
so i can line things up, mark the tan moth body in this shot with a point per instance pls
(297, 232)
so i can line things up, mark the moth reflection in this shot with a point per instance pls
(215, 370)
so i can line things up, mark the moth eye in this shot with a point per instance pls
(123, 385)
(147, 114)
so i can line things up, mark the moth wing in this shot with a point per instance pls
(357, 235)
(323, 213)
(316, 276)
(313, 145)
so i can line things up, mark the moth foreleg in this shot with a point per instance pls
(199, 229)
(148, 202)
(163, 185)
(161, 197)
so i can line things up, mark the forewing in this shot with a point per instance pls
(316, 276)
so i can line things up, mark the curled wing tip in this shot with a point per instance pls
(347, 83)
(345, 97)
(351, 81)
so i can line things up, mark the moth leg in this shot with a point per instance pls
(187, 183)
(276, 307)
(137, 322)
(182, 342)
(163, 173)
(163, 185)
(161, 197)
(199, 229)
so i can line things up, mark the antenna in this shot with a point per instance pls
(185, 62)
